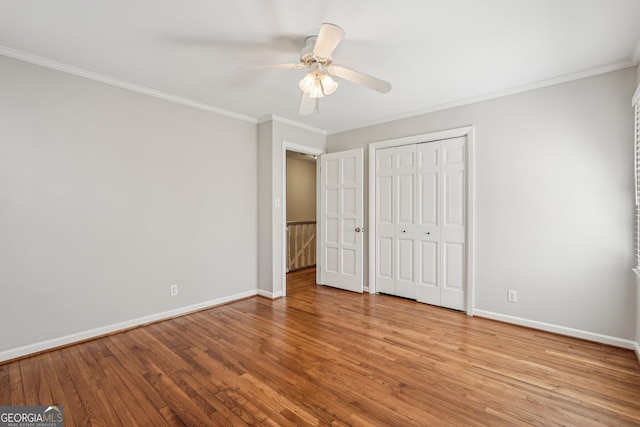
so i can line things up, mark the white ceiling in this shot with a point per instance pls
(433, 52)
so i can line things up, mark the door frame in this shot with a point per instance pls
(468, 132)
(298, 148)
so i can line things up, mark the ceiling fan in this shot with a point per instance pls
(316, 56)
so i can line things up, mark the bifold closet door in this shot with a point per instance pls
(396, 221)
(420, 227)
(441, 223)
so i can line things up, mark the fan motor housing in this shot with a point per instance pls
(306, 54)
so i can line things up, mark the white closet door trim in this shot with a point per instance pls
(468, 132)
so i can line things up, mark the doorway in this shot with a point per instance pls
(308, 154)
(300, 210)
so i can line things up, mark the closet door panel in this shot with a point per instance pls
(428, 290)
(453, 202)
(385, 225)
(452, 230)
(429, 218)
(405, 204)
(452, 295)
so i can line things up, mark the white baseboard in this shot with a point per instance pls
(270, 295)
(109, 329)
(93, 333)
(562, 330)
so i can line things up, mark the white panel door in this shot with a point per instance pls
(396, 221)
(441, 223)
(452, 229)
(428, 230)
(385, 221)
(405, 226)
(342, 225)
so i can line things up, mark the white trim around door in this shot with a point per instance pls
(467, 132)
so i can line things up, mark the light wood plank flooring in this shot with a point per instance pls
(322, 356)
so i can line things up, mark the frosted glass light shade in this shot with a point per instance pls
(328, 84)
(317, 84)
(317, 91)
(308, 83)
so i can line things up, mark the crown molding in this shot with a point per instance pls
(284, 120)
(69, 69)
(494, 95)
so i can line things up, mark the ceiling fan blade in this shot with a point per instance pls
(328, 39)
(360, 78)
(307, 104)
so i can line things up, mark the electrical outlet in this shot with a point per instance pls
(174, 290)
(512, 296)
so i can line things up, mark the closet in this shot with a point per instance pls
(420, 222)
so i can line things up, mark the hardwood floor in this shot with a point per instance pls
(322, 356)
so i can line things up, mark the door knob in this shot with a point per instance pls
(357, 229)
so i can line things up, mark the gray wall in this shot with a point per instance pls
(272, 136)
(108, 197)
(265, 208)
(554, 201)
(301, 190)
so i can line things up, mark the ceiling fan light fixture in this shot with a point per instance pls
(318, 82)
(328, 84)
(316, 92)
(308, 83)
